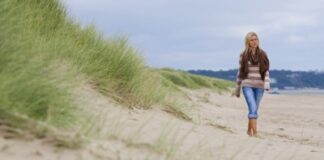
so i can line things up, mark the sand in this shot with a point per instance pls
(290, 127)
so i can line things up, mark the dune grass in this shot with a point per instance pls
(174, 80)
(192, 81)
(45, 55)
(38, 38)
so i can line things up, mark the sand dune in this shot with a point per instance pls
(290, 127)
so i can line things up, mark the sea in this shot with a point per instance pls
(306, 91)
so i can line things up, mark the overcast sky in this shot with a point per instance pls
(209, 34)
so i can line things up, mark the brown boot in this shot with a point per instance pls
(254, 127)
(249, 130)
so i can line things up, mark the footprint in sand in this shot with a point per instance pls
(321, 124)
(269, 144)
(37, 153)
(281, 129)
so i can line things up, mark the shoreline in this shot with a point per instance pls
(298, 92)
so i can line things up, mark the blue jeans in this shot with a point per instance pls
(253, 97)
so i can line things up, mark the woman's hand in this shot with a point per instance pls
(237, 92)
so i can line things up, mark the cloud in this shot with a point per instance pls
(275, 23)
(189, 33)
(294, 39)
(186, 60)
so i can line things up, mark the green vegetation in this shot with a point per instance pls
(192, 81)
(45, 55)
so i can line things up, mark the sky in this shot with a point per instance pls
(209, 34)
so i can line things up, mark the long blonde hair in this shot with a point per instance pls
(246, 56)
(247, 40)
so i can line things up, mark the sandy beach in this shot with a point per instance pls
(290, 127)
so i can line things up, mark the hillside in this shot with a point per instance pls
(46, 57)
(281, 79)
(68, 93)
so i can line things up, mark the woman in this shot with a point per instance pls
(253, 77)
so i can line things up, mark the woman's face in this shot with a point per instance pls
(254, 42)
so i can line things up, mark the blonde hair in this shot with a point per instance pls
(247, 40)
(263, 59)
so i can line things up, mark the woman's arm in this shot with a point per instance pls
(267, 81)
(238, 79)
